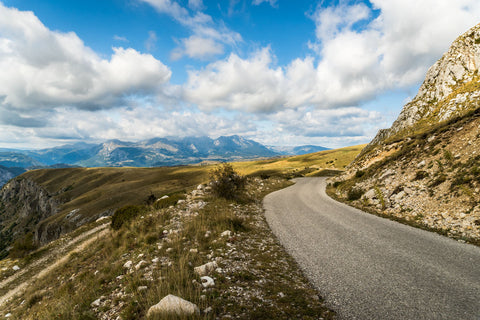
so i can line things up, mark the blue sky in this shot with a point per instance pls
(280, 72)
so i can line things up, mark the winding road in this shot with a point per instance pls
(367, 267)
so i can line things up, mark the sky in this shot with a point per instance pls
(281, 72)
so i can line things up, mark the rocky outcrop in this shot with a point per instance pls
(425, 169)
(23, 204)
(450, 89)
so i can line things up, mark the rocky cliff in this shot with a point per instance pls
(23, 204)
(450, 89)
(425, 169)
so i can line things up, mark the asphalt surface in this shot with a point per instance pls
(368, 267)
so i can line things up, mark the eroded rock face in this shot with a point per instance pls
(23, 205)
(450, 87)
(425, 168)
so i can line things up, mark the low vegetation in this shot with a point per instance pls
(256, 279)
(429, 180)
(323, 163)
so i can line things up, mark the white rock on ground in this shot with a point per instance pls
(128, 264)
(16, 268)
(207, 282)
(141, 264)
(226, 233)
(205, 269)
(96, 303)
(173, 305)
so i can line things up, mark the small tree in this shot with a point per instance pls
(125, 214)
(227, 183)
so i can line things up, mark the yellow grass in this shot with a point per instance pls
(335, 159)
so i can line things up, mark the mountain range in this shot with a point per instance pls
(147, 153)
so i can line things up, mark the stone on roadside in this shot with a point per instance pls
(128, 264)
(173, 305)
(16, 268)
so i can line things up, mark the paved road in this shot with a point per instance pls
(368, 267)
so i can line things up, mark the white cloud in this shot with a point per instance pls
(342, 122)
(46, 69)
(198, 48)
(196, 4)
(246, 85)
(214, 34)
(127, 123)
(273, 3)
(151, 41)
(357, 56)
(120, 38)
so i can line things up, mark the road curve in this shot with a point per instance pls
(368, 267)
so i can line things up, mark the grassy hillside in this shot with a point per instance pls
(312, 164)
(124, 272)
(93, 191)
(82, 195)
(96, 190)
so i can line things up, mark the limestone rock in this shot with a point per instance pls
(205, 269)
(173, 305)
(226, 233)
(207, 282)
(141, 264)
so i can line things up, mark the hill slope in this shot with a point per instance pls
(50, 202)
(425, 169)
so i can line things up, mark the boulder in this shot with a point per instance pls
(173, 305)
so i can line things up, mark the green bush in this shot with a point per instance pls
(438, 181)
(420, 175)
(336, 184)
(170, 201)
(359, 174)
(150, 200)
(125, 214)
(355, 194)
(23, 246)
(226, 183)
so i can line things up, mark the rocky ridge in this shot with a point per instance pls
(450, 89)
(23, 204)
(425, 169)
